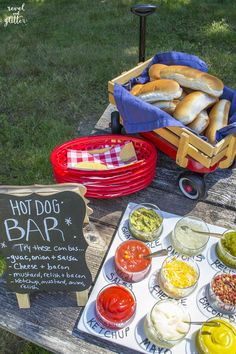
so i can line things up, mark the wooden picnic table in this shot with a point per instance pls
(51, 319)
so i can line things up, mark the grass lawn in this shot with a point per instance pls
(54, 72)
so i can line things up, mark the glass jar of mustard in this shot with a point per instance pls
(216, 340)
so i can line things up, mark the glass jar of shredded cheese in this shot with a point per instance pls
(178, 278)
(188, 242)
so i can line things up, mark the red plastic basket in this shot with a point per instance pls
(107, 183)
(130, 176)
(133, 172)
(118, 186)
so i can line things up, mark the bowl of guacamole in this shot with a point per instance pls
(145, 222)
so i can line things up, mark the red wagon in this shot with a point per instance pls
(189, 151)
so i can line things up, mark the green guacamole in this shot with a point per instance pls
(145, 220)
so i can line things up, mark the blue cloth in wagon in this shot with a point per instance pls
(139, 116)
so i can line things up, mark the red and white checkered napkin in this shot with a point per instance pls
(111, 158)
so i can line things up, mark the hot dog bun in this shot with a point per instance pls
(184, 93)
(194, 79)
(200, 122)
(159, 90)
(192, 104)
(167, 106)
(136, 89)
(218, 115)
(154, 71)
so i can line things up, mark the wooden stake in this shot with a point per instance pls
(230, 154)
(82, 297)
(23, 301)
(182, 152)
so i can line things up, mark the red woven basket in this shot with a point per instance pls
(110, 183)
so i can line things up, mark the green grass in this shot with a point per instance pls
(10, 344)
(54, 73)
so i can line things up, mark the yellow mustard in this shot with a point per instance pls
(217, 340)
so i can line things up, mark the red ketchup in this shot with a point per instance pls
(115, 306)
(130, 264)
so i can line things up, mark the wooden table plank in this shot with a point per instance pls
(220, 185)
(110, 212)
(51, 319)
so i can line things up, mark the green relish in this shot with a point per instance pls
(229, 242)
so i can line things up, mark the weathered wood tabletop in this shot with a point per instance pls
(51, 319)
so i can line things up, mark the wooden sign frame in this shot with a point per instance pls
(23, 299)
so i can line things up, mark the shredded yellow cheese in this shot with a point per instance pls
(179, 273)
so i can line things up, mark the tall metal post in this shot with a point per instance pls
(142, 35)
(142, 11)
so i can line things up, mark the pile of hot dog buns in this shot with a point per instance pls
(189, 95)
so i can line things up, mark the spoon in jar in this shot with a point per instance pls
(159, 253)
(211, 234)
(200, 323)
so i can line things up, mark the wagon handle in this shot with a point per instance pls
(142, 11)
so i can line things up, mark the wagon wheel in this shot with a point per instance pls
(192, 185)
(115, 123)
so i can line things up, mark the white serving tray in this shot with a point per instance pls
(147, 292)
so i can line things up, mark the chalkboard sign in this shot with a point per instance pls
(43, 242)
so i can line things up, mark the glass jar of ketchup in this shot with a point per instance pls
(130, 263)
(115, 306)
